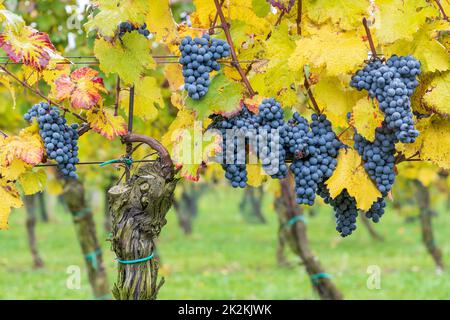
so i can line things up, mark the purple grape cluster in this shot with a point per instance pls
(199, 58)
(234, 132)
(392, 84)
(315, 155)
(345, 210)
(126, 26)
(61, 140)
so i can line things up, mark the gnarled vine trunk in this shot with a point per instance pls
(295, 235)
(369, 226)
(75, 198)
(251, 204)
(426, 213)
(138, 210)
(30, 205)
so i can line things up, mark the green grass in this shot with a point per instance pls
(226, 258)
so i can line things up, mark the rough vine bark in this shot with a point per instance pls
(253, 197)
(42, 207)
(30, 205)
(426, 213)
(295, 234)
(138, 209)
(74, 197)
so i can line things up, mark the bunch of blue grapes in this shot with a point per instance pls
(318, 159)
(61, 140)
(377, 210)
(199, 58)
(125, 27)
(379, 157)
(345, 210)
(235, 133)
(271, 142)
(392, 84)
(379, 162)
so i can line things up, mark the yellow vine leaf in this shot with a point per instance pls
(147, 99)
(183, 120)
(437, 96)
(431, 53)
(433, 142)
(159, 19)
(425, 172)
(33, 181)
(436, 143)
(256, 175)
(191, 150)
(174, 75)
(10, 199)
(27, 146)
(113, 12)
(105, 123)
(335, 100)
(398, 19)
(5, 80)
(366, 117)
(12, 172)
(351, 175)
(338, 51)
(347, 15)
(129, 60)
(233, 9)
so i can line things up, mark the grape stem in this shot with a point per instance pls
(311, 96)
(441, 8)
(402, 158)
(36, 92)
(116, 105)
(370, 39)
(299, 17)
(213, 23)
(129, 145)
(276, 23)
(3, 134)
(235, 62)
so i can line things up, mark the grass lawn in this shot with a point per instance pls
(227, 258)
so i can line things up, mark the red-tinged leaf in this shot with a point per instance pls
(29, 46)
(82, 87)
(27, 146)
(105, 123)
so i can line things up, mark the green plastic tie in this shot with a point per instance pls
(295, 219)
(82, 213)
(127, 161)
(136, 261)
(104, 297)
(92, 258)
(318, 276)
